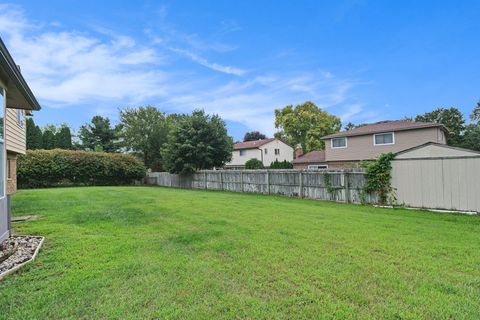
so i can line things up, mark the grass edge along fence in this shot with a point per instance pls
(335, 185)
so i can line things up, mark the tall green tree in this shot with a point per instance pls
(471, 137)
(144, 131)
(475, 116)
(48, 139)
(451, 118)
(34, 135)
(197, 142)
(63, 137)
(305, 124)
(254, 135)
(350, 126)
(99, 134)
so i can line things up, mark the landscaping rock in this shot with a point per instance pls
(17, 250)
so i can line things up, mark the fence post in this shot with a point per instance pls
(300, 182)
(241, 179)
(346, 184)
(268, 181)
(221, 180)
(205, 179)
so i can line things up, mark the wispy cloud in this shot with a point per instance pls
(204, 62)
(70, 67)
(102, 70)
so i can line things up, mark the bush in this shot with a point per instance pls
(281, 165)
(50, 168)
(254, 164)
(378, 176)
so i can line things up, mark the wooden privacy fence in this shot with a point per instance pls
(341, 185)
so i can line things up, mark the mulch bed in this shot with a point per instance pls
(17, 250)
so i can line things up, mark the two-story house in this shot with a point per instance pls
(16, 99)
(266, 150)
(347, 148)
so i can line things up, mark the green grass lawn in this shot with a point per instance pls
(146, 252)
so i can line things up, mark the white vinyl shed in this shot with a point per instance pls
(437, 176)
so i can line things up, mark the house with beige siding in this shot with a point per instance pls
(16, 100)
(266, 150)
(346, 149)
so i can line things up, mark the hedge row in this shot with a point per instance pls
(50, 168)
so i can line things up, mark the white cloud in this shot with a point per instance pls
(204, 62)
(252, 102)
(70, 67)
(106, 70)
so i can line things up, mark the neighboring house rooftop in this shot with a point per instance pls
(311, 157)
(386, 126)
(251, 144)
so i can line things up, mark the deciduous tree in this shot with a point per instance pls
(254, 135)
(451, 118)
(144, 131)
(198, 141)
(475, 116)
(305, 124)
(471, 137)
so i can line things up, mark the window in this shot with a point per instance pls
(265, 151)
(277, 152)
(338, 143)
(317, 166)
(243, 152)
(20, 118)
(383, 138)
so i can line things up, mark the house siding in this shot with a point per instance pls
(362, 147)
(238, 160)
(286, 152)
(15, 135)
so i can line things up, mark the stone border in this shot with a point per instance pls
(6, 273)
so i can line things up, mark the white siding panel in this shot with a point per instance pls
(448, 183)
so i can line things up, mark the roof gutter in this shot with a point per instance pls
(8, 64)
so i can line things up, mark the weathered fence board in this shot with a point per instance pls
(342, 185)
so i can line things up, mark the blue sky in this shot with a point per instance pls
(363, 61)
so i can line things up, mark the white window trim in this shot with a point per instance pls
(384, 144)
(346, 143)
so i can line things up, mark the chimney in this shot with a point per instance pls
(298, 151)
